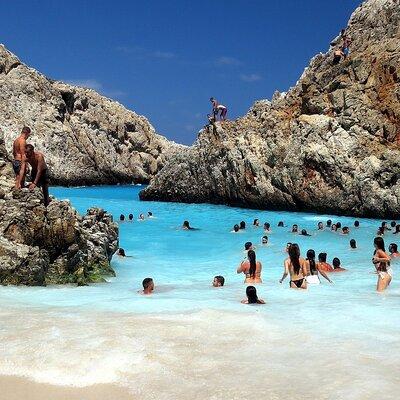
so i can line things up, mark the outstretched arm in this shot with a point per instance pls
(323, 273)
(285, 273)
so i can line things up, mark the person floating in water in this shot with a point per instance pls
(381, 262)
(252, 298)
(186, 226)
(251, 268)
(337, 266)
(295, 228)
(19, 154)
(218, 281)
(242, 225)
(218, 109)
(345, 230)
(296, 268)
(141, 217)
(122, 217)
(393, 250)
(353, 244)
(148, 286)
(267, 227)
(39, 174)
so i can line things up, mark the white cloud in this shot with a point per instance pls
(224, 60)
(142, 53)
(95, 85)
(250, 77)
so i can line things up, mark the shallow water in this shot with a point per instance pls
(192, 340)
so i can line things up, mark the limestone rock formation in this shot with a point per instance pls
(330, 144)
(87, 138)
(39, 246)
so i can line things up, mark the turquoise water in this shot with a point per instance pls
(104, 332)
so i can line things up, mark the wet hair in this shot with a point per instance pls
(253, 263)
(383, 224)
(149, 213)
(122, 217)
(264, 238)
(338, 225)
(186, 224)
(295, 228)
(251, 293)
(311, 259)
(304, 233)
(130, 216)
(267, 225)
(329, 223)
(236, 228)
(381, 230)
(356, 224)
(280, 223)
(29, 147)
(379, 243)
(242, 225)
(121, 252)
(147, 282)
(26, 129)
(353, 243)
(220, 279)
(397, 230)
(247, 245)
(336, 263)
(294, 255)
(322, 257)
(320, 223)
(345, 228)
(393, 224)
(393, 247)
(332, 227)
(255, 221)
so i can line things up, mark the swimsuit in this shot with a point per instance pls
(298, 282)
(16, 164)
(44, 179)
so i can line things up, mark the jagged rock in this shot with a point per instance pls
(86, 138)
(330, 144)
(40, 245)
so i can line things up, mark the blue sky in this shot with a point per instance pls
(165, 59)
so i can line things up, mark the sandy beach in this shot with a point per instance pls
(16, 388)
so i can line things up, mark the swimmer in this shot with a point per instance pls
(385, 227)
(320, 226)
(218, 281)
(313, 270)
(295, 229)
(380, 231)
(242, 225)
(248, 246)
(356, 224)
(235, 228)
(256, 223)
(264, 240)
(393, 224)
(397, 230)
(393, 250)
(345, 230)
(338, 225)
(267, 227)
(336, 265)
(122, 217)
(252, 298)
(353, 244)
(381, 262)
(141, 217)
(329, 223)
(150, 214)
(280, 224)
(304, 233)
(130, 217)
(334, 228)
(186, 226)
(148, 286)
(121, 252)
(251, 268)
(296, 268)
(322, 264)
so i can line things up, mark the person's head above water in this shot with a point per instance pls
(334, 227)
(248, 246)
(320, 225)
(264, 240)
(121, 252)
(242, 225)
(256, 222)
(186, 225)
(148, 285)
(267, 226)
(392, 248)
(311, 254)
(322, 257)
(130, 216)
(218, 281)
(380, 231)
(356, 224)
(397, 230)
(345, 230)
(149, 214)
(236, 228)
(295, 228)
(353, 243)
(384, 224)
(280, 223)
(122, 217)
(288, 244)
(338, 225)
(379, 243)
(336, 263)
(393, 224)
(329, 223)
(251, 293)
(304, 233)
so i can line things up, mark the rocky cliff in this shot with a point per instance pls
(330, 144)
(41, 246)
(86, 138)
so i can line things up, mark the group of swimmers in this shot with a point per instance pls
(141, 217)
(24, 154)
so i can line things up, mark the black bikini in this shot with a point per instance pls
(297, 282)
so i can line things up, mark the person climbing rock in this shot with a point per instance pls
(218, 109)
(337, 56)
(19, 162)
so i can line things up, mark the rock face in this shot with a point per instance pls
(86, 138)
(39, 246)
(330, 144)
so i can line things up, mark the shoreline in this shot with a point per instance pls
(17, 388)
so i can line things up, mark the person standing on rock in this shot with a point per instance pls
(39, 173)
(19, 162)
(218, 109)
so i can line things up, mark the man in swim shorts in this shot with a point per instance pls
(218, 109)
(39, 173)
(19, 162)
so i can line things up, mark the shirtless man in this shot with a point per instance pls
(39, 171)
(148, 286)
(218, 108)
(19, 162)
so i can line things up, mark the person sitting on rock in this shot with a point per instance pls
(39, 174)
(19, 162)
(148, 286)
(218, 109)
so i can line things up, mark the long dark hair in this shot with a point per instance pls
(311, 260)
(380, 243)
(251, 293)
(253, 264)
(294, 255)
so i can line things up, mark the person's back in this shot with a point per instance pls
(251, 268)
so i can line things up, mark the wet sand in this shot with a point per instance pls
(16, 388)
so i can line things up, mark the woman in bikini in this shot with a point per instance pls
(296, 268)
(381, 262)
(251, 268)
